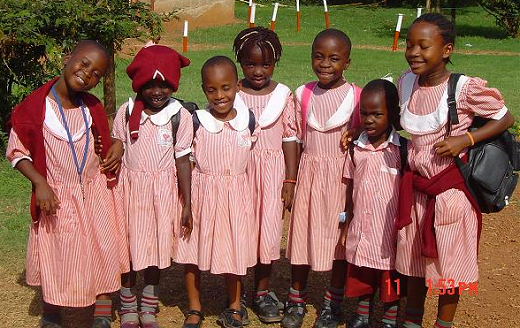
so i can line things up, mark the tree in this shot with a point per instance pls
(35, 33)
(506, 13)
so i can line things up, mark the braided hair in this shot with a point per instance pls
(391, 98)
(261, 37)
(445, 26)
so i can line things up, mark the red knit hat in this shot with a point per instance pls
(151, 63)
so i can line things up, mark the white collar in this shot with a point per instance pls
(273, 108)
(363, 142)
(54, 124)
(432, 122)
(160, 118)
(340, 117)
(240, 122)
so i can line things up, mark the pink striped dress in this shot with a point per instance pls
(223, 239)
(79, 252)
(320, 194)
(276, 118)
(424, 113)
(149, 183)
(371, 239)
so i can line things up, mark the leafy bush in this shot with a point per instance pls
(506, 12)
(35, 33)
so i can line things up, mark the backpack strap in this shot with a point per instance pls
(252, 122)
(306, 96)
(355, 119)
(351, 153)
(403, 152)
(196, 123)
(453, 118)
(175, 122)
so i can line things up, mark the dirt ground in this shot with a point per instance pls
(496, 305)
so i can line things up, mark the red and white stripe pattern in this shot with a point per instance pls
(79, 252)
(149, 186)
(455, 218)
(371, 239)
(223, 236)
(320, 194)
(267, 172)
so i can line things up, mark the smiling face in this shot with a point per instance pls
(84, 67)
(257, 69)
(220, 85)
(374, 116)
(426, 51)
(156, 94)
(330, 57)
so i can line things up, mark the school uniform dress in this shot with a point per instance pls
(320, 194)
(371, 240)
(223, 239)
(79, 252)
(277, 124)
(149, 182)
(424, 113)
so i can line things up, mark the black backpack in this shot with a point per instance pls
(490, 170)
(175, 119)
(403, 152)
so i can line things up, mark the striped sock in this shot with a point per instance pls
(260, 293)
(413, 318)
(103, 308)
(298, 296)
(333, 297)
(443, 324)
(363, 308)
(128, 305)
(149, 303)
(390, 315)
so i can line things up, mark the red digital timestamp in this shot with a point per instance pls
(450, 287)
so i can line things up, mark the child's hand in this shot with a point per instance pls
(187, 222)
(348, 136)
(113, 160)
(287, 195)
(46, 199)
(344, 231)
(452, 146)
(98, 146)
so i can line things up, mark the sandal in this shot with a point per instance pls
(193, 325)
(152, 324)
(226, 319)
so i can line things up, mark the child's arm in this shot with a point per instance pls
(290, 152)
(349, 210)
(46, 200)
(182, 162)
(112, 162)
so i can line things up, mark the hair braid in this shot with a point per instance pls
(265, 39)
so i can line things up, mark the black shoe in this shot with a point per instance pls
(226, 319)
(387, 325)
(293, 315)
(50, 321)
(358, 321)
(101, 322)
(267, 308)
(329, 317)
(243, 310)
(193, 325)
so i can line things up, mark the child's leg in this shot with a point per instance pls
(128, 313)
(234, 289)
(446, 309)
(262, 275)
(330, 314)
(416, 294)
(265, 303)
(295, 309)
(299, 275)
(390, 316)
(149, 299)
(192, 281)
(102, 311)
(51, 313)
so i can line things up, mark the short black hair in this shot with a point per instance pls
(262, 37)
(218, 60)
(445, 26)
(391, 98)
(334, 33)
(90, 43)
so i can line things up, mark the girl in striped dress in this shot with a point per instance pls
(274, 161)
(157, 133)
(75, 252)
(328, 108)
(223, 220)
(372, 175)
(453, 223)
